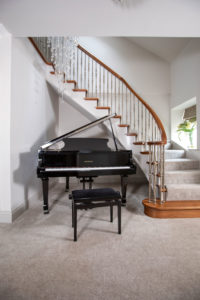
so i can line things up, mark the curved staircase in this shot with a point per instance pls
(174, 180)
(182, 178)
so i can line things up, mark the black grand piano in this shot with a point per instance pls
(84, 158)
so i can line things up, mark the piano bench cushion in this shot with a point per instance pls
(96, 194)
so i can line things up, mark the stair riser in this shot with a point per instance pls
(174, 195)
(181, 165)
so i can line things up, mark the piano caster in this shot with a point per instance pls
(45, 209)
(88, 180)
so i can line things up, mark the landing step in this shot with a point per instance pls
(117, 117)
(172, 209)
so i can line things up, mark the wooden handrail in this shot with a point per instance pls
(99, 62)
(153, 113)
(39, 52)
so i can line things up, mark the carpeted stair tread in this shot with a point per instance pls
(169, 154)
(181, 164)
(182, 176)
(183, 191)
(179, 159)
(179, 172)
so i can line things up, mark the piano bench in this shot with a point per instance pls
(91, 198)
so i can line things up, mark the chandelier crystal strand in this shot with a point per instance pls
(62, 57)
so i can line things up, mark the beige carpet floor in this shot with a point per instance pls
(153, 259)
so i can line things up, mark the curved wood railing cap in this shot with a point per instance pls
(39, 52)
(155, 116)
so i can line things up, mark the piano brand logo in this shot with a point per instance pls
(88, 161)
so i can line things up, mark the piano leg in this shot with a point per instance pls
(124, 182)
(67, 183)
(45, 186)
(90, 182)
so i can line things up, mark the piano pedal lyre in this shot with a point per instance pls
(85, 180)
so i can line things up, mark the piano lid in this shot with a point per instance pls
(81, 144)
(78, 130)
(86, 144)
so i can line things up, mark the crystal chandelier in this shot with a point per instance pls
(62, 56)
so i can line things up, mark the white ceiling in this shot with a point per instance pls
(169, 18)
(166, 48)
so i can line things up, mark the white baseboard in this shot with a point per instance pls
(9, 216)
(18, 211)
(5, 217)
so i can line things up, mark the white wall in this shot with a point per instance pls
(101, 17)
(34, 118)
(185, 77)
(148, 74)
(5, 84)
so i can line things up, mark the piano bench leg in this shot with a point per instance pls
(119, 216)
(75, 223)
(73, 214)
(111, 212)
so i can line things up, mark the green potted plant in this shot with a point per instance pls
(188, 126)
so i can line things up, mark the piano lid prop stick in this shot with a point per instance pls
(114, 139)
(80, 129)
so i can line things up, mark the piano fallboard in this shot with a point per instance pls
(84, 158)
(88, 163)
